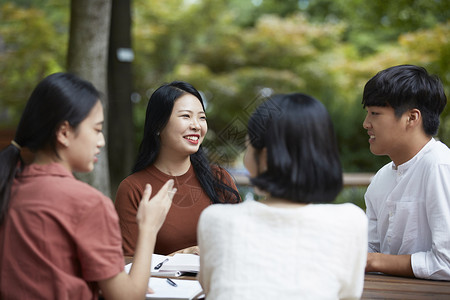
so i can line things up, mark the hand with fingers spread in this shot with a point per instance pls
(152, 212)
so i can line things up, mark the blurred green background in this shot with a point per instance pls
(236, 52)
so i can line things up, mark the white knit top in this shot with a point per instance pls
(254, 251)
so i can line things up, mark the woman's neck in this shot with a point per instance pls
(46, 157)
(173, 167)
(280, 202)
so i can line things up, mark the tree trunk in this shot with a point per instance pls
(121, 130)
(87, 57)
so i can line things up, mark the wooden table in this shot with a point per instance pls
(378, 286)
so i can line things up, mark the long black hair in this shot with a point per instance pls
(302, 155)
(158, 112)
(59, 97)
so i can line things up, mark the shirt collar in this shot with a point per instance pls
(53, 169)
(405, 166)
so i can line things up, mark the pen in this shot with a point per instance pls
(158, 266)
(171, 282)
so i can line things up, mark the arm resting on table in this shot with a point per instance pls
(399, 265)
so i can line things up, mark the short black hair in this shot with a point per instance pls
(406, 87)
(302, 154)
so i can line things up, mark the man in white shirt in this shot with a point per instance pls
(408, 200)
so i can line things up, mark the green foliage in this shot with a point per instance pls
(238, 52)
(431, 49)
(370, 23)
(31, 48)
(352, 194)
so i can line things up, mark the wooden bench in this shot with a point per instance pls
(350, 179)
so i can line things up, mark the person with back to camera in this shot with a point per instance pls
(408, 200)
(60, 237)
(175, 126)
(293, 244)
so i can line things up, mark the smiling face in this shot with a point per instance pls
(85, 141)
(387, 134)
(186, 127)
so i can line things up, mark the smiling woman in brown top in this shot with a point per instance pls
(175, 127)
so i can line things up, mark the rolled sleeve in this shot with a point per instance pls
(435, 263)
(428, 265)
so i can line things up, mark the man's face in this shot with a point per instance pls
(387, 133)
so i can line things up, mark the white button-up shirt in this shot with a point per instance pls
(409, 211)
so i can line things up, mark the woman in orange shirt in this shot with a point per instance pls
(59, 237)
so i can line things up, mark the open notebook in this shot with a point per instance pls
(174, 266)
(185, 289)
(179, 262)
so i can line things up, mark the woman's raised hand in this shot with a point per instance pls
(152, 212)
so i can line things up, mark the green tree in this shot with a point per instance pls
(237, 52)
(32, 46)
(121, 146)
(87, 57)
